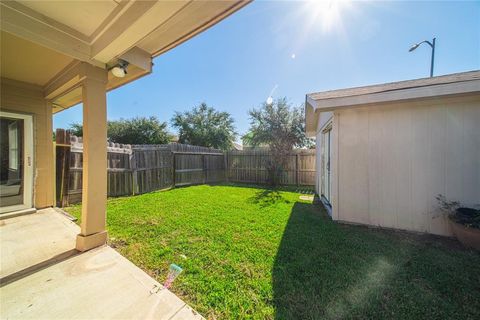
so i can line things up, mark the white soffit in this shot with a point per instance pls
(83, 16)
(26, 61)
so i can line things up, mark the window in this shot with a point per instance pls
(13, 146)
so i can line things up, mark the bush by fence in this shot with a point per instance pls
(137, 169)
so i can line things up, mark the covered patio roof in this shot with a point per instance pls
(41, 41)
(60, 53)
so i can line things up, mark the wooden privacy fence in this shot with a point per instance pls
(119, 177)
(137, 169)
(251, 166)
(151, 169)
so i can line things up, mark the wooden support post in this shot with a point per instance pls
(59, 139)
(62, 139)
(94, 189)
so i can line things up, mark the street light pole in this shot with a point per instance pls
(432, 45)
(433, 57)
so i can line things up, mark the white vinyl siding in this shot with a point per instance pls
(393, 161)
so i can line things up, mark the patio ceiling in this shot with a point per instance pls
(27, 61)
(41, 39)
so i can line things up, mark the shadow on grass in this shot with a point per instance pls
(324, 270)
(288, 188)
(267, 197)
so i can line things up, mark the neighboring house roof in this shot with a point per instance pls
(237, 146)
(452, 84)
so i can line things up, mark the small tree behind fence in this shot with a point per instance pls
(137, 169)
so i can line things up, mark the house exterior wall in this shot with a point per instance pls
(28, 99)
(393, 159)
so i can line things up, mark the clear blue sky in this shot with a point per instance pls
(298, 48)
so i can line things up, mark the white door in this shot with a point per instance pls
(326, 182)
(16, 161)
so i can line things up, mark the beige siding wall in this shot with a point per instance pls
(393, 160)
(25, 98)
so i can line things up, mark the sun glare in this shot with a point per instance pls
(327, 12)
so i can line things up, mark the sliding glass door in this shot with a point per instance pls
(16, 162)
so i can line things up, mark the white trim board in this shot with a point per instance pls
(426, 92)
(28, 162)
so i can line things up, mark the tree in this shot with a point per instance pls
(281, 127)
(139, 130)
(246, 138)
(204, 126)
(76, 129)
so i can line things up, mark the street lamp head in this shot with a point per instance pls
(415, 46)
(432, 45)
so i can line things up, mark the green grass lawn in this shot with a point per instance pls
(262, 254)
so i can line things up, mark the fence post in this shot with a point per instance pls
(296, 169)
(204, 166)
(225, 165)
(62, 139)
(133, 168)
(174, 166)
(255, 161)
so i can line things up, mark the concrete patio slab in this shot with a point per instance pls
(32, 239)
(97, 284)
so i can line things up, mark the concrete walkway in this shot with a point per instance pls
(44, 278)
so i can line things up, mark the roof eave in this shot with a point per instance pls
(425, 92)
(311, 118)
